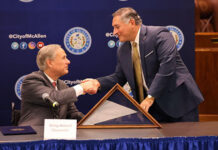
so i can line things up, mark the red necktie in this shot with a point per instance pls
(54, 84)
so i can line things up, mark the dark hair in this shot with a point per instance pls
(127, 13)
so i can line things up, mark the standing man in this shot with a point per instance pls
(149, 61)
(44, 95)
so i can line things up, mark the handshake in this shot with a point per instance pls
(90, 86)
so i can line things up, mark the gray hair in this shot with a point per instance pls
(127, 13)
(46, 52)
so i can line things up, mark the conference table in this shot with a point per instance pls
(203, 135)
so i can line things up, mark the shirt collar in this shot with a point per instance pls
(137, 37)
(50, 79)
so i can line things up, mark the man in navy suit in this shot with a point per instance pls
(169, 92)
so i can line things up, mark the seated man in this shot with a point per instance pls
(45, 84)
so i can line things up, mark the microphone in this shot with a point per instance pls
(46, 98)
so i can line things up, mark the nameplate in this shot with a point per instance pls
(60, 129)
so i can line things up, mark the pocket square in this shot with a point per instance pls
(149, 53)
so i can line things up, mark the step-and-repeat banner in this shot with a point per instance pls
(27, 25)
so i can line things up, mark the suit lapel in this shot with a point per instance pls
(46, 79)
(59, 85)
(142, 46)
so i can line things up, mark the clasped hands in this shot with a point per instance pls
(90, 86)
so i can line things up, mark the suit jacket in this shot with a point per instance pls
(166, 76)
(34, 109)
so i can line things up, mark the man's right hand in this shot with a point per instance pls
(90, 86)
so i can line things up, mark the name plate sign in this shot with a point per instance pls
(60, 129)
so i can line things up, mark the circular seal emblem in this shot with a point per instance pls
(177, 35)
(17, 87)
(26, 1)
(77, 40)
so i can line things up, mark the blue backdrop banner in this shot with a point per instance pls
(83, 28)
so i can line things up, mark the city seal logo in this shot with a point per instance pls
(26, 1)
(177, 35)
(77, 40)
(17, 87)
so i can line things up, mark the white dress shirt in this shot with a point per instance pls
(137, 41)
(78, 88)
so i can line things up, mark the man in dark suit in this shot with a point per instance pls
(52, 63)
(148, 60)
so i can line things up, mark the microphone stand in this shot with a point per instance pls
(55, 112)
